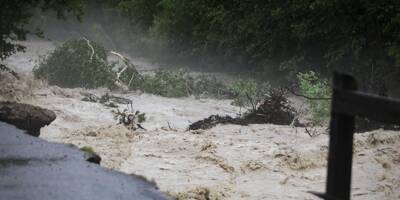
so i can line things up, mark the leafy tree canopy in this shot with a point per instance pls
(360, 36)
(15, 15)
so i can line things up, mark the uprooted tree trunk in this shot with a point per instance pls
(274, 109)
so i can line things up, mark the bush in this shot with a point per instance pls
(273, 108)
(166, 83)
(210, 86)
(244, 92)
(73, 65)
(180, 84)
(248, 92)
(312, 85)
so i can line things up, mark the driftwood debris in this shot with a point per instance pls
(131, 120)
(274, 109)
(128, 117)
(213, 120)
(106, 99)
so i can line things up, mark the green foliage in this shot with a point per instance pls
(359, 37)
(248, 92)
(131, 78)
(180, 84)
(313, 86)
(140, 116)
(141, 12)
(166, 83)
(73, 65)
(15, 15)
(245, 92)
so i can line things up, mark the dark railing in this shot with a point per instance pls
(347, 103)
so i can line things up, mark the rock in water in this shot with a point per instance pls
(90, 155)
(27, 117)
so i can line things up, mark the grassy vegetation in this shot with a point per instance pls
(167, 83)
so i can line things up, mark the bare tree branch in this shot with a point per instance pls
(127, 64)
(308, 132)
(130, 80)
(124, 59)
(91, 47)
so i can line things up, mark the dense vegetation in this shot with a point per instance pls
(361, 37)
(15, 16)
(83, 63)
(318, 91)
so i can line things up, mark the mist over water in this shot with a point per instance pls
(116, 32)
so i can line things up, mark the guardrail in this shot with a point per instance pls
(347, 103)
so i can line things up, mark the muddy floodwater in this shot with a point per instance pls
(225, 162)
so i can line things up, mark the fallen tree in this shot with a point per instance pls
(84, 63)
